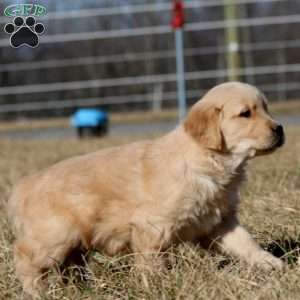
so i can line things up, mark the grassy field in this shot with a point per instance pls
(270, 209)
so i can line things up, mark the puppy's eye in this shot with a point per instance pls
(245, 114)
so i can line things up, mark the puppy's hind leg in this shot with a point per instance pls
(26, 271)
(33, 256)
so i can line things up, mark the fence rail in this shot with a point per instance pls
(116, 100)
(134, 9)
(131, 57)
(164, 29)
(137, 80)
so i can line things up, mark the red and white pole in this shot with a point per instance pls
(177, 24)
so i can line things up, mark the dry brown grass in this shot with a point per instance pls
(270, 209)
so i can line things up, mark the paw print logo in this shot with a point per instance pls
(24, 32)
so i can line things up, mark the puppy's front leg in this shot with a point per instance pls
(148, 243)
(233, 239)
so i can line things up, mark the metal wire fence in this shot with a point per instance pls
(268, 43)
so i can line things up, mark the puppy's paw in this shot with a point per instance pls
(267, 261)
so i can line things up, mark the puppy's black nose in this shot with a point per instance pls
(278, 130)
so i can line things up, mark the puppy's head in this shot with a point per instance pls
(233, 118)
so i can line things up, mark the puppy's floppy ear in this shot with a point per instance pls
(203, 124)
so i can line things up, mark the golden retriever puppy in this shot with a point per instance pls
(146, 196)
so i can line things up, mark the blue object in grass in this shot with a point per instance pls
(89, 117)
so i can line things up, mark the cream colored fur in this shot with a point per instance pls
(145, 197)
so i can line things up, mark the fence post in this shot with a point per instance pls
(157, 97)
(232, 42)
(177, 24)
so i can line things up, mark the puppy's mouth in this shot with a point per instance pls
(280, 141)
(277, 142)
